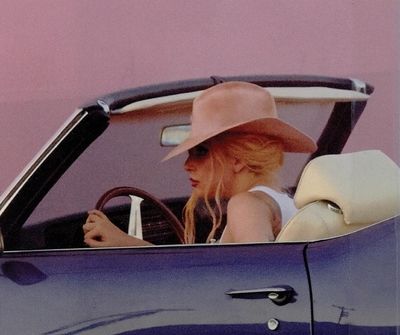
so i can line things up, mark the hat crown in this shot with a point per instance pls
(230, 104)
(240, 107)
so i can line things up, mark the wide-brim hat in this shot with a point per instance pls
(240, 107)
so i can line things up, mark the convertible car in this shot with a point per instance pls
(334, 268)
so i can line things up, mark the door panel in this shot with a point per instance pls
(157, 290)
(355, 282)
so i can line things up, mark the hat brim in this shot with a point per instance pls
(293, 139)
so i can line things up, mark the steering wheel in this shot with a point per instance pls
(128, 191)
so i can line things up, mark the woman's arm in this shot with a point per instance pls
(249, 219)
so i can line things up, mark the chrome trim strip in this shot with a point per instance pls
(2, 245)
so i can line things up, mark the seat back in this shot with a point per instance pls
(339, 194)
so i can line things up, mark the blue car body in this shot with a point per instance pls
(53, 284)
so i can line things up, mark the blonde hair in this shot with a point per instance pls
(262, 155)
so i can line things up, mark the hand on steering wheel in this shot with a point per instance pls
(103, 223)
(101, 232)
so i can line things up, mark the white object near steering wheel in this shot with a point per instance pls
(135, 217)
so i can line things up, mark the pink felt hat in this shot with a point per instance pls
(240, 107)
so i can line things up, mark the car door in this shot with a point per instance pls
(146, 290)
(355, 281)
(204, 289)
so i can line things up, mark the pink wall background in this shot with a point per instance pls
(56, 55)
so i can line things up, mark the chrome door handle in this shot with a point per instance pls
(279, 295)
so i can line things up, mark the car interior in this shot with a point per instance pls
(127, 152)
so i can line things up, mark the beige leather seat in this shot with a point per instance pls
(339, 194)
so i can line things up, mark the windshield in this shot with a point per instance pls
(129, 153)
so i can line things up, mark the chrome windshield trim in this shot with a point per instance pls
(9, 194)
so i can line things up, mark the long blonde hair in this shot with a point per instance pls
(262, 155)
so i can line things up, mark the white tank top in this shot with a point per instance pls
(288, 209)
(286, 204)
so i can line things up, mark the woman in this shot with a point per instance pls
(235, 151)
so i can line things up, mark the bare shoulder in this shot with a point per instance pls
(252, 200)
(247, 205)
(249, 219)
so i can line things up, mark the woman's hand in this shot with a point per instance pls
(101, 232)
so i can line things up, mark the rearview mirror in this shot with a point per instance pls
(174, 135)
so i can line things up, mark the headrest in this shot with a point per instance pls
(365, 185)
